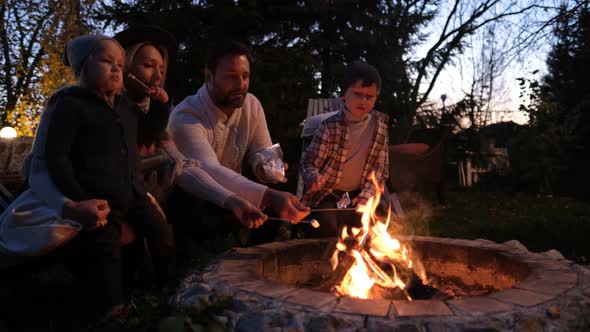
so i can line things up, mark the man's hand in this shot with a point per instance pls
(284, 204)
(317, 183)
(248, 214)
(91, 214)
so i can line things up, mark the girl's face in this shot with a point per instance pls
(149, 67)
(104, 68)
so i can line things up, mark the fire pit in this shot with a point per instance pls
(456, 269)
(368, 279)
(476, 283)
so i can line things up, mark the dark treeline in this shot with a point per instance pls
(300, 47)
(551, 153)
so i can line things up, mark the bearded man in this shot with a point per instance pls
(223, 126)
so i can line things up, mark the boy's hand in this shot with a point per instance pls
(317, 183)
(159, 94)
(248, 214)
(359, 201)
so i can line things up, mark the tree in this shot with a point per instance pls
(552, 151)
(302, 46)
(32, 37)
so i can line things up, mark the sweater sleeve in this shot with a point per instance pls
(63, 129)
(261, 137)
(193, 179)
(191, 139)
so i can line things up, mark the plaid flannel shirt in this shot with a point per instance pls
(326, 155)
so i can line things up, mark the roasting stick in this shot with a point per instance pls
(314, 223)
(332, 209)
(131, 76)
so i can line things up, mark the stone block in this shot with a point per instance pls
(543, 263)
(545, 285)
(270, 267)
(267, 288)
(309, 298)
(560, 276)
(521, 297)
(421, 308)
(554, 254)
(247, 253)
(515, 245)
(237, 278)
(330, 323)
(371, 307)
(276, 246)
(269, 321)
(232, 265)
(477, 305)
(380, 325)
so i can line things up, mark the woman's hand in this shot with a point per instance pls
(159, 94)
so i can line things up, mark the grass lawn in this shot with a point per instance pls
(539, 222)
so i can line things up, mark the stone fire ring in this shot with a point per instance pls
(553, 293)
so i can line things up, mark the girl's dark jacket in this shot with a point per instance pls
(92, 149)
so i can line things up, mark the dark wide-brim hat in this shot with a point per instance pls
(149, 33)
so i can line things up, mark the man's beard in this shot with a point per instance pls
(225, 101)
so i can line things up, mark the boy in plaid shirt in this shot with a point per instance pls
(345, 149)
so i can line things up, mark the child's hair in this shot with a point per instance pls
(360, 71)
(223, 49)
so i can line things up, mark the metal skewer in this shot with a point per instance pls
(332, 209)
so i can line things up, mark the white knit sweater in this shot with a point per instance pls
(203, 132)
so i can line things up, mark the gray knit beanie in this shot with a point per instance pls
(79, 48)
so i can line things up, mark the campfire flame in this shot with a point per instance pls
(372, 247)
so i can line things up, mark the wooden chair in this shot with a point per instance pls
(317, 111)
(420, 166)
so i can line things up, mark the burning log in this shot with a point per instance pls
(341, 261)
(363, 257)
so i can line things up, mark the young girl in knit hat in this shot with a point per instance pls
(90, 153)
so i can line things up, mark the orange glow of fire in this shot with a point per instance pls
(374, 247)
